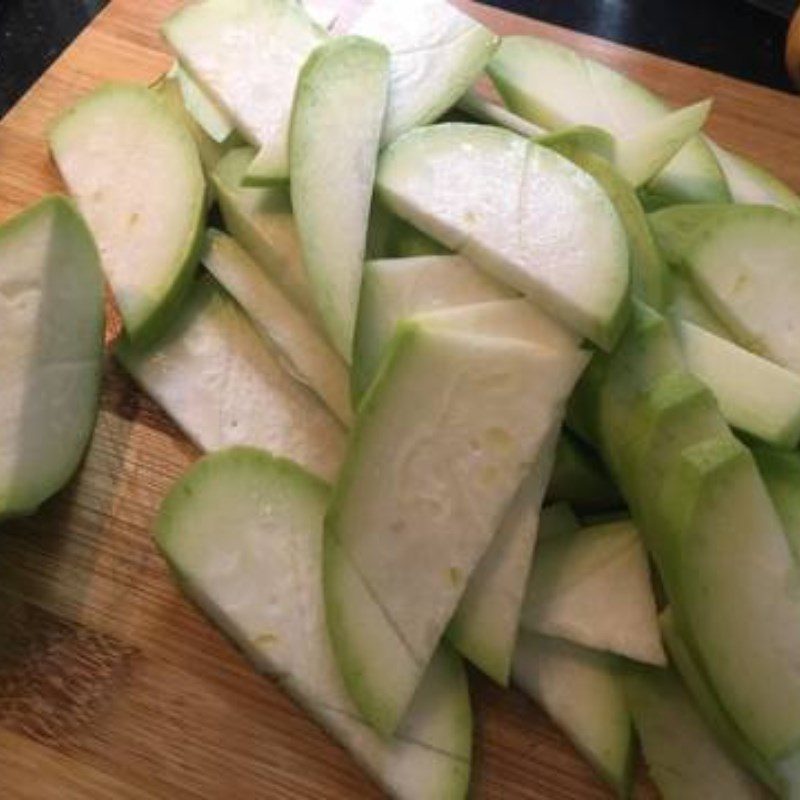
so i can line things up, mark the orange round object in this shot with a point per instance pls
(793, 49)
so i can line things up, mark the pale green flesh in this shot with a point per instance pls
(243, 531)
(261, 220)
(581, 692)
(650, 278)
(395, 289)
(247, 55)
(683, 758)
(740, 593)
(485, 624)
(641, 156)
(556, 237)
(206, 113)
(750, 183)
(688, 306)
(748, 270)
(476, 105)
(137, 178)
(214, 375)
(593, 588)
(678, 228)
(553, 86)
(517, 319)
(580, 479)
(342, 92)
(709, 706)
(436, 51)
(51, 315)
(303, 351)
(754, 395)
(426, 486)
(781, 474)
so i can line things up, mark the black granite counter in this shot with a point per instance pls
(737, 37)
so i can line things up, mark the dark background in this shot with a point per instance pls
(738, 37)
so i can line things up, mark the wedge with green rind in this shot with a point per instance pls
(780, 471)
(214, 120)
(580, 479)
(424, 490)
(394, 289)
(734, 551)
(341, 90)
(687, 305)
(51, 351)
(437, 52)
(213, 374)
(756, 396)
(485, 625)
(678, 228)
(302, 349)
(254, 80)
(715, 535)
(261, 221)
(710, 708)
(136, 176)
(650, 278)
(643, 155)
(592, 587)
(472, 102)
(683, 758)
(581, 692)
(750, 183)
(745, 267)
(556, 87)
(269, 600)
(557, 237)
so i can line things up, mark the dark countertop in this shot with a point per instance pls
(730, 36)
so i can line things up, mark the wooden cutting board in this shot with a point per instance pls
(114, 686)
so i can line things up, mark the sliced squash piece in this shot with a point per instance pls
(136, 176)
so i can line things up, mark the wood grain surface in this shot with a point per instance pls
(111, 684)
